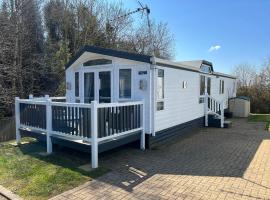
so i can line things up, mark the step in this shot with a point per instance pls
(227, 124)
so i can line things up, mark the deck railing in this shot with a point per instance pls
(214, 106)
(93, 123)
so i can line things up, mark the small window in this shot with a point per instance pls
(160, 89)
(221, 87)
(209, 85)
(97, 62)
(125, 83)
(77, 84)
(184, 85)
(201, 99)
(205, 69)
(202, 85)
(160, 105)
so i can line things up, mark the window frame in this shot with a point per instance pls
(203, 93)
(131, 84)
(221, 86)
(158, 99)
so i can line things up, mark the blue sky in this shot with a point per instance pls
(237, 30)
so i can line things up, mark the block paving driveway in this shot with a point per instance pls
(210, 163)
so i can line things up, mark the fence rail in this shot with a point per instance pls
(89, 122)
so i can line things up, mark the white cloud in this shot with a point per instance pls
(214, 48)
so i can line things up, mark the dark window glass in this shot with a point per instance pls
(105, 87)
(97, 62)
(205, 69)
(77, 84)
(209, 85)
(202, 85)
(89, 87)
(160, 105)
(125, 83)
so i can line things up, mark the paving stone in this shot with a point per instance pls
(210, 163)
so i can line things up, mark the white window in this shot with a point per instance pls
(160, 89)
(125, 83)
(221, 86)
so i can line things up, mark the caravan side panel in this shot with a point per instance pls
(180, 104)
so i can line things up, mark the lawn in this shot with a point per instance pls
(261, 118)
(33, 176)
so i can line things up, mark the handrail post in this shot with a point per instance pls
(31, 96)
(94, 134)
(17, 120)
(48, 124)
(206, 109)
(222, 114)
(142, 143)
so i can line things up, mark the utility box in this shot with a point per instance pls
(240, 106)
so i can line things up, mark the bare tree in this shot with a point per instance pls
(246, 74)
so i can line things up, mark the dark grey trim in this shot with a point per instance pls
(192, 70)
(174, 132)
(176, 67)
(106, 146)
(109, 52)
(224, 75)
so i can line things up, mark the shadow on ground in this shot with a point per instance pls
(206, 152)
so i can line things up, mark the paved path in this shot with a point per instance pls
(209, 164)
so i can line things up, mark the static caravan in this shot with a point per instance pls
(116, 96)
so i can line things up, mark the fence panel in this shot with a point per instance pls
(33, 115)
(72, 120)
(118, 119)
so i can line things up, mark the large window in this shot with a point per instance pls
(77, 84)
(202, 85)
(160, 89)
(221, 87)
(125, 83)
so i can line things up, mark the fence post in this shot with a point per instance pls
(222, 114)
(94, 134)
(31, 96)
(142, 144)
(206, 109)
(17, 120)
(48, 123)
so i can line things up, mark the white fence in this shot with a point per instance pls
(95, 123)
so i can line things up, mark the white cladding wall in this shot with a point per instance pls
(229, 88)
(136, 93)
(182, 105)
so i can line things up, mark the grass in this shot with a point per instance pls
(261, 118)
(32, 176)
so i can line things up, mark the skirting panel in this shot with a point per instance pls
(173, 132)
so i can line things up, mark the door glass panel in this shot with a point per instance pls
(89, 87)
(104, 87)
